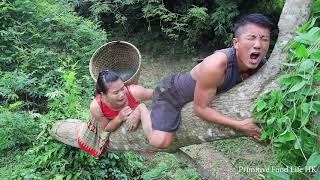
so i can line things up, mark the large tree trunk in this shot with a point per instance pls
(235, 103)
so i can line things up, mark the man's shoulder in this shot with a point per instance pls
(227, 51)
(213, 66)
(216, 60)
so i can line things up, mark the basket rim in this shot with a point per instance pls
(112, 42)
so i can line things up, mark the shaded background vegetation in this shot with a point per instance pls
(174, 27)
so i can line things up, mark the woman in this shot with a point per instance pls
(113, 104)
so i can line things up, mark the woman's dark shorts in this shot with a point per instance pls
(168, 99)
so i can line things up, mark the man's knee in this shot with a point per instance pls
(162, 141)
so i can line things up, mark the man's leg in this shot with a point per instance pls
(158, 139)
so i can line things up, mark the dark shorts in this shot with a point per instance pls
(168, 99)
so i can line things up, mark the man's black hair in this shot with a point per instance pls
(255, 18)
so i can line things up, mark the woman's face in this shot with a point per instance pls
(116, 95)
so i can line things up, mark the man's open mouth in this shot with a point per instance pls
(254, 55)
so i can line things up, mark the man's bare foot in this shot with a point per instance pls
(133, 120)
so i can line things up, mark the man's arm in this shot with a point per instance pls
(140, 93)
(209, 76)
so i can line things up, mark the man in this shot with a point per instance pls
(217, 73)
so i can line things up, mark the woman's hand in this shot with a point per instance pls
(124, 113)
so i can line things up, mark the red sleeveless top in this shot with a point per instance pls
(111, 114)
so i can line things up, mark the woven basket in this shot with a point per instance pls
(119, 56)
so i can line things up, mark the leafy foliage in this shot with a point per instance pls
(17, 129)
(39, 36)
(13, 84)
(289, 112)
(55, 160)
(66, 102)
(193, 25)
(168, 167)
(48, 159)
(44, 63)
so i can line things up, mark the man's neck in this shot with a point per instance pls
(241, 67)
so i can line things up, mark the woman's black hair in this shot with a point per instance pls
(106, 76)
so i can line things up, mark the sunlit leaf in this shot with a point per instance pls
(309, 37)
(301, 51)
(288, 136)
(297, 87)
(278, 175)
(314, 160)
(261, 105)
(315, 8)
(297, 144)
(306, 65)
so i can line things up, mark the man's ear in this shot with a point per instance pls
(235, 42)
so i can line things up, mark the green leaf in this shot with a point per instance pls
(315, 8)
(306, 65)
(263, 136)
(290, 64)
(308, 37)
(261, 105)
(315, 55)
(297, 144)
(305, 107)
(270, 121)
(288, 79)
(309, 132)
(297, 87)
(278, 175)
(301, 52)
(15, 105)
(288, 136)
(317, 76)
(316, 106)
(308, 25)
(314, 160)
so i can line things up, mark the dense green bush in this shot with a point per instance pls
(17, 129)
(45, 51)
(39, 37)
(41, 157)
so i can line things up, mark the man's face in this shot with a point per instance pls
(251, 46)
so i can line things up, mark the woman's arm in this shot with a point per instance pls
(106, 124)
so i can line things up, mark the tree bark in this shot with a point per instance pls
(235, 103)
